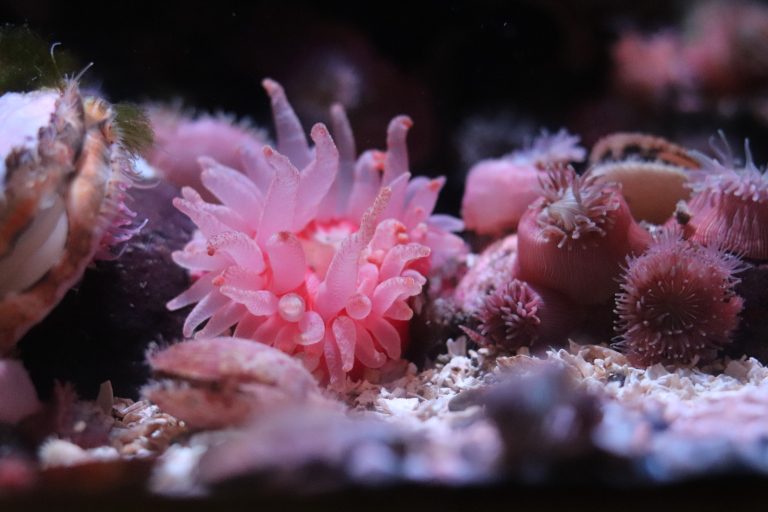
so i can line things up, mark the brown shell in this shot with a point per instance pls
(623, 145)
(651, 170)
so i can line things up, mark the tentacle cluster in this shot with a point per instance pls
(575, 206)
(677, 302)
(730, 202)
(509, 317)
(548, 149)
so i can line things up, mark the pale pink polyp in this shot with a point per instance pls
(499, 191)
(310, 250)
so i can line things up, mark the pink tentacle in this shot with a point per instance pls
(391, 290)
(398, 257)
(397, 203)
(291, 140)
(386, 336)
(312, 328)
(258, 302)
(344, 333)
(335, 203)
(341, 278)
(365, 351)
(280, 205)
(222, 320)
(243, 250)
(286, 257)
(366, 184)
(422, 201)
(231, 187)
(257, 168)
(317, 178)
(202, 311)
(194, 293)
(396, 162)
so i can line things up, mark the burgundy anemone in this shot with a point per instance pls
(677, 303)
(520, 315)
(575, 237)
(730, 203)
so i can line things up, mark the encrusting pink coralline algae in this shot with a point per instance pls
(312, 251)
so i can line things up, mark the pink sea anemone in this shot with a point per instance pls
(730, 203)
(677, 303)
(574, 238)
(318, 262)
(498, 191)
(651, 67)
(180, 139)
(725, 46)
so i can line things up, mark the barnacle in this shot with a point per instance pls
(320, 262)
(63, 181)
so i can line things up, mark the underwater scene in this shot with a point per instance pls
(426, 254)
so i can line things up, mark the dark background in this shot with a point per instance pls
(477, 77)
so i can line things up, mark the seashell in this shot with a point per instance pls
(652, 171)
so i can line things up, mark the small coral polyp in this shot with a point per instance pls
(730, 204)
(498, 191)
(520, 315)
(677, 303)
(574, 238)
(321, 262)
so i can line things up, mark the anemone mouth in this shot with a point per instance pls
(509, 317)
(321, 240)
(575, 207)
(677, 303)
